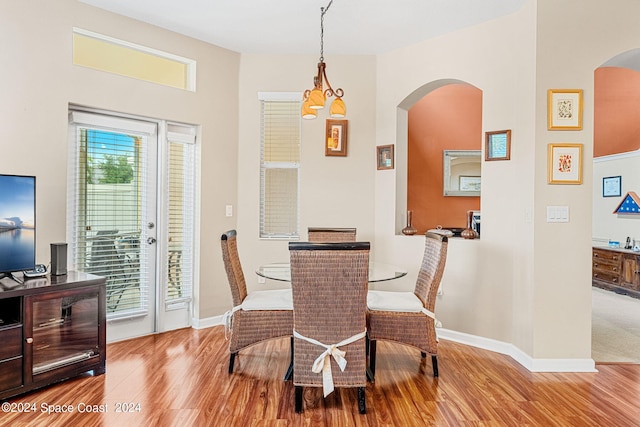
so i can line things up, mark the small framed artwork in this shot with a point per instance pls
(564, 107)
(497, 145)
(336, 138)
(564, 163)
(612, 186)
(469, 183)
(384, 157)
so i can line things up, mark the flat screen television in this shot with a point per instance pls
(17, 223)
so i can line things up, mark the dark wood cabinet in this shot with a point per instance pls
(630, 272)
(51, 328)
(617, 270)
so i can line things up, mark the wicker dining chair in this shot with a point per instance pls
(256, 316)
(322, 234)
(408, 317)
(329, 282)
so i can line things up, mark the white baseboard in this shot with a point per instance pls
(207, 322)
(533, 365)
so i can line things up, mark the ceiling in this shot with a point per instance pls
(353, 27)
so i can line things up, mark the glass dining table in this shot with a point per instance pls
(378, 272)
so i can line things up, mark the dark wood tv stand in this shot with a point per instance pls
(51, 328)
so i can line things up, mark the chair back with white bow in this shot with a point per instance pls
(256, 316)
(409, 317)
(324, 234)
(329, 282)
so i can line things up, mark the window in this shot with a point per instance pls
(279, 164)
(108, 54)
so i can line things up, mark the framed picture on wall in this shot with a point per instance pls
(612, 186)
(497, 145)
(564, 163)
(336, 138)
(564, 109)
(384, 156)
(469, 183)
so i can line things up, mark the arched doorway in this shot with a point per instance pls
(616, 336)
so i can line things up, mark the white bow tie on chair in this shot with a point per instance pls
(323, 362)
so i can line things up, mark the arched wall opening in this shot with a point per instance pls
(441, 115)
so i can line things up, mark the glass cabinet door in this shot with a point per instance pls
(65, 329)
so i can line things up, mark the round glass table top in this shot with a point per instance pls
(378, 272)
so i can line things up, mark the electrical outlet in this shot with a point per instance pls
(229, 210)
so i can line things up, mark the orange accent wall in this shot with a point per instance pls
(616, 126)
(448, 118)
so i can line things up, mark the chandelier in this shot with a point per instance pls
(313, 100)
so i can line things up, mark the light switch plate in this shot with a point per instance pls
(557, 213)
(229, 210)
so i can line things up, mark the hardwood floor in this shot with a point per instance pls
(180, 378)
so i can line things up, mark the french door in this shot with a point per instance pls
(123, 223)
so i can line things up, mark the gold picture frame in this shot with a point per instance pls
(335, 142)
(564, 163)
(384, 156)
(564, 109)
(497, 145)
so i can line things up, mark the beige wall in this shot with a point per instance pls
(38, 82)
(334, 191)
(526, 282)
(479, 291)
(563, 254)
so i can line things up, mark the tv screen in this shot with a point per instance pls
(17, 223)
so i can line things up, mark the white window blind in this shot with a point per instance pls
(105, 206)
(180, 212)
(279, 165)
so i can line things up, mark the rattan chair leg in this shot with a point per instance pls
(372, 359)
(232, 359)
(298, 398)
(434, 362)
(366, 343)
(361, 400)
(289, 374)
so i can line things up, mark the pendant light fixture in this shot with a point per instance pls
(314, 99)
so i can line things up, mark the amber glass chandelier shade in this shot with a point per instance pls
(316, 99)
(307, 112)
(338, 109)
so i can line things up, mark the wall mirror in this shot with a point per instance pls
(462, 172)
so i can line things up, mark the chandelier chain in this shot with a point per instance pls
(323, 10)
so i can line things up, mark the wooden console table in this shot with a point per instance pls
(51, 328)
(616, 270)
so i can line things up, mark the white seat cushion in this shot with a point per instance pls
(406, 302)
(277, 299)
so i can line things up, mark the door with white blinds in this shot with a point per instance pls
(131, 218)
(112, 224)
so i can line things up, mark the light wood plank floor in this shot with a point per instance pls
(180, 378)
